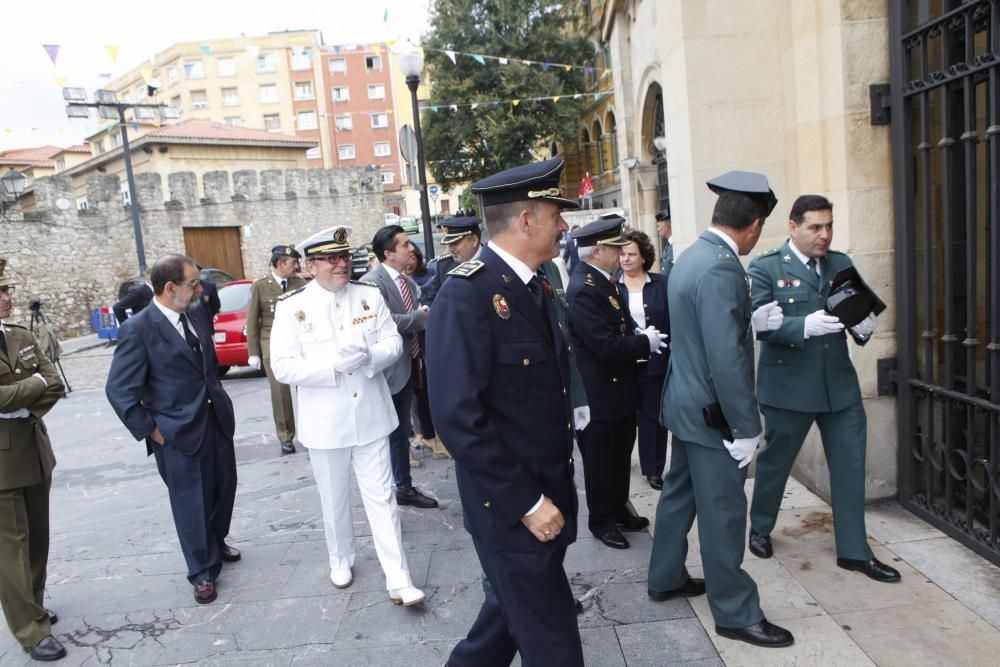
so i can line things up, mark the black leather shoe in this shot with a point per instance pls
(229, 554)
(764, 633)
(655, 481)
(53, 617)
(690, 589)
(288, 447)
(760, 545)
(633, 523)
(873, 569)
(614, 539)
(412, 496)
(46, 650)
(204, 592)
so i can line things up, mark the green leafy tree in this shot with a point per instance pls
(468, 144)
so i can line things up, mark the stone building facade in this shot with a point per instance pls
(73, 260)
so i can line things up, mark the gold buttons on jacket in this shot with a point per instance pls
(564, 391)
(487, 504)
(569, 426)
(17, 370)
(526, 362)
(614, 379)
(791, 300)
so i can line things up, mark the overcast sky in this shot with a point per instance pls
(32, 111)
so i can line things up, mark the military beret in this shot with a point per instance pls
(285, 251)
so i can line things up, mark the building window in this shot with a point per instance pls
(226, 66)
(234, 121)
(380, 120)
(388, 178)
(199, 99)
(125, 97)
(82, 204)
(175, 102)
(272, 123)
(376, 91)
(98, 146)
(61, 164)
(303, 90)
(307, 120)
(126, 197)
(313, 153)
(230, 97)
(445, 206)
(267, 62)
(172, 76)
(194, 69)
(269, 93)
(346, 151)
(382, 149)
(141, 92)
(116, 140)
(301, 61)
(373, 63)
(340, 93)
(338, 65)
(344, 123)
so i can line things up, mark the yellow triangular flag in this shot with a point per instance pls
(567, 67)
(556, 98)
(516, 102)
(112, 53)
(61, 81)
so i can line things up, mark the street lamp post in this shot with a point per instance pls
(412, 64)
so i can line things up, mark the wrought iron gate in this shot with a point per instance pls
(945, 108)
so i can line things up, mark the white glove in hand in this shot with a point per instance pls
(581, 417)
(254, 363)
(352, 357)
(742, 449)
(767, 318)
(822, 323)
(657, 340)
(867, 326)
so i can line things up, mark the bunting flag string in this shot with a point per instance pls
(515, 102)
(52, 50)
(481, 58)
(112, 52)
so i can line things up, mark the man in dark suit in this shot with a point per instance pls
(164, 386)
(709, 405)
(498, 367)
(135, 299)
(665, 230)
(210, 298)
(394, 250)
(607, 349)
(571, 253)
(462, 237)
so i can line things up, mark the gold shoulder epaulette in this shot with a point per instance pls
(366, 283)
(288, 295)
(466, 269)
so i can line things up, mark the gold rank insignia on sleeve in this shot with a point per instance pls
(614, 302)
(466, 269)
(589, 280)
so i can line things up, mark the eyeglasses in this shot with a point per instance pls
(8, 290)
(333, 259)
(186, 283)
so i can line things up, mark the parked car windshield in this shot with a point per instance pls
(234, 297)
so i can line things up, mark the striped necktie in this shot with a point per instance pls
(404, 289)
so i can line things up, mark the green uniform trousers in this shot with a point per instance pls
(281, 404)
(707, 482)
(24, 556)
(844, 435)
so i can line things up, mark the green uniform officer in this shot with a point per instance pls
(711, 373)
(805, 377)
(260, 315)
(29, 387)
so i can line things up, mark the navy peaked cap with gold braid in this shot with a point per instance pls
(456, 228)
(538, 181)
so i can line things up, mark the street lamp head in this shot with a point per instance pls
(13, 184)
(74, 94)
(411, 64)
(77, 112)
(105, 97)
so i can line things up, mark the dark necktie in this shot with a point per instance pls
(535, 285)
(189, 336)
(3, 342)
(284, 286)
(812, 264)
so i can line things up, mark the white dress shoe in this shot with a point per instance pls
(407, 596)
(341, 578)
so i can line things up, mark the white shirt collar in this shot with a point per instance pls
(604, 273)
(725, 237)
(522, 270)
(278, 279)
(393, 273)
(802, 257)
(172, 315)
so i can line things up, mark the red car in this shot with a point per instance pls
(231, 325)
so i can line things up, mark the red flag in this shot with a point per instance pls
(587, 186)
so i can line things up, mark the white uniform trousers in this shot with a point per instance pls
(332, 469)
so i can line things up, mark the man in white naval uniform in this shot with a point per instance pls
(332, 339)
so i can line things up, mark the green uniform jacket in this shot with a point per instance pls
(798, 373)
(711, 346)
(577, 394)
(264, 294)
(26, 456)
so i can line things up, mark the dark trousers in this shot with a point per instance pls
(529, 609)
(606, 445)
(202, 491)
(399, 440)
(425, 423)
(652, 434)
(24, 557)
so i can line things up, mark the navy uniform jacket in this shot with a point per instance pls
(654, 303)
(499, 382)
(440, 273)
(210, 298)
(156, 380)
(605, 344)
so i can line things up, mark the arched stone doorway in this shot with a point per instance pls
(655, 196)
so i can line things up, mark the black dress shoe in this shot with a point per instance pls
(412, 496)
(287, 447)
(614, 539)
(229, 554)
(655, 481)
(204, 592)
(632, 523)
(690, 589)
(46, 650)
(764, 633)
(874, 569)
(53, 617)
(760, 545)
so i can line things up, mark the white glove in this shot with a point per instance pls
(254, 363)
(352, 357)
(742, 449)
(822, 323)
(767, 318)
(39, 376)
(656, 339)
(867, 326)
(581, 417)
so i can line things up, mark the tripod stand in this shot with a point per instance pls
(47, 339)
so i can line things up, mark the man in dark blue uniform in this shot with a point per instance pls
(499, 378)
(461, 235)
(607, 349)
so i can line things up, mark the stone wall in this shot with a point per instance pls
(73, 261)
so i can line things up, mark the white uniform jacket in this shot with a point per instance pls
(336, 410)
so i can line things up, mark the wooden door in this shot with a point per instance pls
(215, 248)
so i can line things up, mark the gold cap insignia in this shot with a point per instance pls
(549, 192)
(340, 236)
